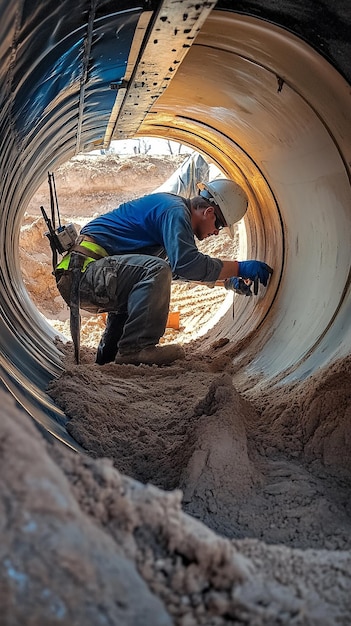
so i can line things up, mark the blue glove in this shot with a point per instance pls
(238, 285)
(255, 271)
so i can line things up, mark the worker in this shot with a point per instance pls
(131, 255)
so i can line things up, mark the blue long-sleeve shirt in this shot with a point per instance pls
(158, 224)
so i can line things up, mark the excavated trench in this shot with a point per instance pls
(274, 114)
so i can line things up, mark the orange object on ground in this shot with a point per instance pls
(173, 320)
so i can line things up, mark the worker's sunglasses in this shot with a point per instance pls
(219, 224)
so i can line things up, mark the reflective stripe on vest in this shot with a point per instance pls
(89, 245)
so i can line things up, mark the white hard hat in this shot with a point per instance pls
(228, 196)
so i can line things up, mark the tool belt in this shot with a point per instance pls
(88, 248)
(89, 251)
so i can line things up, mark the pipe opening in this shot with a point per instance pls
(95, 183)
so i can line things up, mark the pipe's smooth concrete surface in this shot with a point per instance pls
(266, 106)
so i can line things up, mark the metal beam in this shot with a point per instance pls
(166, 43)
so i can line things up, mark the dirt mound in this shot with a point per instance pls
(96, 184)
(186, 427)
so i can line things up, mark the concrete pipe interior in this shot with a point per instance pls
(259, 101)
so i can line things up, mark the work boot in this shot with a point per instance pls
(152, 355)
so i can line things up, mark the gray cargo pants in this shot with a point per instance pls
(137, 285)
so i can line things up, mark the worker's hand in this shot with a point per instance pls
(238, 285)
(255, 271)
